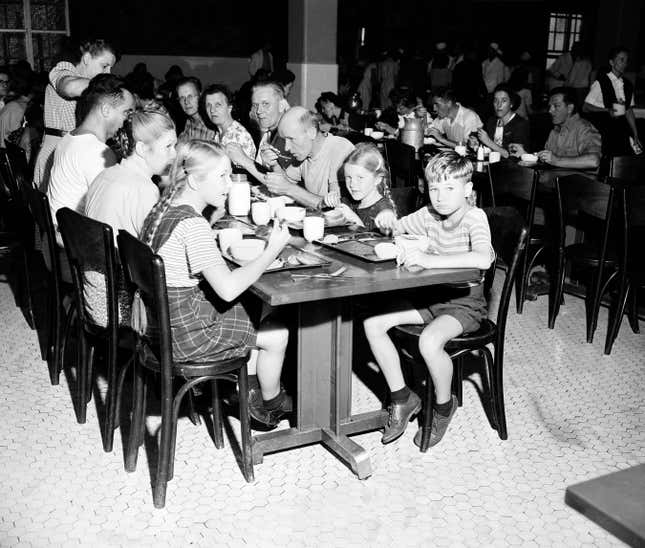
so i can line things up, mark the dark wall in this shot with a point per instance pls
(517, 25)
(218, 28)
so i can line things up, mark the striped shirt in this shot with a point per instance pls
(190, 249)
(472, 231)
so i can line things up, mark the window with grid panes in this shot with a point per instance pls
(33, 30)
(564, 30)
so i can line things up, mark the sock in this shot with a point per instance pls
(253, 382)
(443, 409)
(399, 396)
(273, 403)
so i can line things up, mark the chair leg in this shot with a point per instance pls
(495, 366)
(167, 441)
(137, 424)
(81, 376)
(245, 425)
(555, 293)
(632, 314)
(27, 288)
(218, 435)
(110, 399)
(457, 378)
(54, 342)
(192, 413)
(521, 282)
(426, 425)
(614, 321)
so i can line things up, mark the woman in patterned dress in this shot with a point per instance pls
(207, 318)
(217, 104)
(66, 83)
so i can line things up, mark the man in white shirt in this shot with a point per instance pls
(611, 100)
(454, 122)
(321, 158)
(82, 154)
(267, 106)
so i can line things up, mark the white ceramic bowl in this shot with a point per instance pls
(247, 250)
(529, 158)
(291, 214)
(377, 135)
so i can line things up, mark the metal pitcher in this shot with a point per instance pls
(412, 133)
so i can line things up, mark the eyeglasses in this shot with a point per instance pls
(4, 82)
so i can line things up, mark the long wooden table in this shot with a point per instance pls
(324, 350)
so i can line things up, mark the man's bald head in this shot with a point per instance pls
(299, 128)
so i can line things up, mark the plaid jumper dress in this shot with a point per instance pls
(204, 328)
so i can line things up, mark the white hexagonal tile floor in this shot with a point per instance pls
(573, 414)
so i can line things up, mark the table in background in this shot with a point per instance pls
(323, 314)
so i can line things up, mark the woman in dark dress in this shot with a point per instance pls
(506, 126)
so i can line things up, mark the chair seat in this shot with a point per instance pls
(148, 358)
(484, 335)
(588, 253)
(127, 337)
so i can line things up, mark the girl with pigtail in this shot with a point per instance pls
(366, 177)
(208, 320)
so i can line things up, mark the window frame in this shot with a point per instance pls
(571, 33)
(29, 32)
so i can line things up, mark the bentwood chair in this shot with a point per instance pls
(145, 272)
(90, 249)
(631, 274)
(591, 206)
(403, 165)
(57, 287)
(509, 236)
(517, 186)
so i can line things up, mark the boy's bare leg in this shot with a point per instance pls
(431, 346)
(384, 351)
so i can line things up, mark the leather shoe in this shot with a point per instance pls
(439, 425)
(269, 417)
(400, 416)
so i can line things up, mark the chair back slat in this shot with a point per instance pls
(400, 159)
(145, 273)
(89, 245)
(508, 237)
(39, 206)
(627, 167)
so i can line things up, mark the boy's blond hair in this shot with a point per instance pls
(449, 165)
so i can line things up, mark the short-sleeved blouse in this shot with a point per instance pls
(237, 133)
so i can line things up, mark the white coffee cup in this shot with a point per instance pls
(228, 236)
(619, 109)
(494, 156)
(313, 228)
(260, 213)
(461, 150)
(368, 131)
(274, 205)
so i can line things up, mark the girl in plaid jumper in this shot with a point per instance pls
(207, 318)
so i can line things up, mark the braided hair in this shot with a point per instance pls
(367, 156)
(146, 123)
(193, 158)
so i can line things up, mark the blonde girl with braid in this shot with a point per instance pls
(207, 317)
(123, 195)
(366, 178)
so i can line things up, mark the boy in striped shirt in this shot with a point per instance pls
(459, 237)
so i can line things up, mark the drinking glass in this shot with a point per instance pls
(313, 228)
(260, 213)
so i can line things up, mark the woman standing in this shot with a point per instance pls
(66, 83)
(217, 103)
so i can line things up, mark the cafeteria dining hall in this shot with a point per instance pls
(313, 273)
